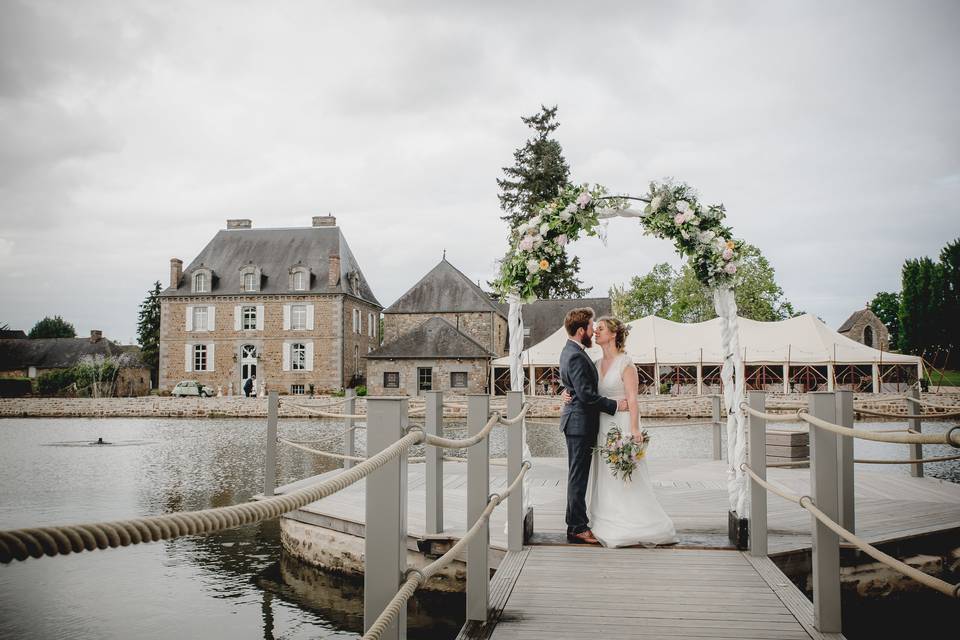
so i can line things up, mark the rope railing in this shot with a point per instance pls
(909, 416)
(951, 437)
(944, 587)
(417, 577)
(771, 417)
(327, 414)
(934, 405)
(464, 443)
(320, 452)
(36, 542)
(908, 460)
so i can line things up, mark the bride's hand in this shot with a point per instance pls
(638, 437)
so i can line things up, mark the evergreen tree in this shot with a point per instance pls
(539, 171)
(950, 313)
(886, 306)
(148, 330)
(921, 307)
(55, 327)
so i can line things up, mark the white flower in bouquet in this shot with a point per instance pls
(544, 228)
(584, 199)
(562, 240)
(533, 266)
(534, 221)
(683, 206)
(526, 243)
(655, 203)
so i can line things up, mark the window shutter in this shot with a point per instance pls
(189, 318)
(309, 346)
(286, 355)
(259, 317)
(309, 317)
(211, 318)
(237, 318)
(188, 357)
(286, 317)
(210, 356)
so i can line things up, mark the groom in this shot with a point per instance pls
(580, 418)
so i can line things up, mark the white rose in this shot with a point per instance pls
(683, 206)
(655, 203)
(704, 237)
(533, 266)
(534, 221)
(544, 228)
(565, 215)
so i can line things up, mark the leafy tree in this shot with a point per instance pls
(55, 327)
(148, 330)
(538, 173)
(950, 314)
(921, 305)
(679, 296)
(886, 306)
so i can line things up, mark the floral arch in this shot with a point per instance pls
(670, 211)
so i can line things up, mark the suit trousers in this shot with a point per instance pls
(579, 455)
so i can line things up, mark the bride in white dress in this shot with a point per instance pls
(622, 512)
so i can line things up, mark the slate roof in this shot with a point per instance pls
(435, 338)
(58, 353)
(12, 334)
(445, 289)
(854, 318)
(275, 251)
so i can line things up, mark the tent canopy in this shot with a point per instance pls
(801, 340)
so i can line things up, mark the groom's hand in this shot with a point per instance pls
(622, 405)
(566, 397)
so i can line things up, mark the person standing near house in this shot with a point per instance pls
(248, 386)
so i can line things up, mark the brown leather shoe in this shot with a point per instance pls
(584, 537)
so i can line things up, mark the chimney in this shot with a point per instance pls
(334, 277)
(239, 223)
(96, 335)
(324, 221)
(176, 270)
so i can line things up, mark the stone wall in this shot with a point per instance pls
(881, 336)
(476, 370)
(480, 326)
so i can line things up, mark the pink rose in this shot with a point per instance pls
(526, 243)
(728, 254)
(562, 240)
(678, 219)
(730, 268)
(583, 199)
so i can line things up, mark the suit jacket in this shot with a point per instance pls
(581, 416)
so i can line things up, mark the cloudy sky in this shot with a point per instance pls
(131, 130)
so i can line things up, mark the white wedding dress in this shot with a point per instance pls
(623, 512)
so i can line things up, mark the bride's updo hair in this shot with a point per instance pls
(620, 331)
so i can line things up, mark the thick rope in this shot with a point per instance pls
(21, 544)
(417, 577)
(319, 452)
(951, 437)
(911, 416)
(450, 443)
(771, 417)
(934, 583)
(934, 405)
(515, 419)
(326, 414)
(909, 460)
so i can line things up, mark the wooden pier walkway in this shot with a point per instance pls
(567, 592)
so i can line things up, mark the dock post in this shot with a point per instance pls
(915, 451)
(717, 428)
(270, 457)
(478, 490)
(826, 543)
(385, 544)
(349, 435)
(514, 462)
(757, 456)
(433, 425)
(845, 480)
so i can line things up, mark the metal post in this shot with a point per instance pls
(433, 425)
(514, 462)
(385, 544)
(875, 378)
(757, 456)
(845, 478)
(700, 377)
(270, 459)
(786, 379)
(915, 451)
(478, 490)
(717, 427)
(830, 379)
(349, 435)
(826, 543)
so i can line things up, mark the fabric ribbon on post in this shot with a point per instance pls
(732, 375)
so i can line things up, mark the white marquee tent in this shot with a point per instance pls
(773, 352)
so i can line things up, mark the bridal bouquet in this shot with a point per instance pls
(621, 453)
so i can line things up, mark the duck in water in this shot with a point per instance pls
(100, 441)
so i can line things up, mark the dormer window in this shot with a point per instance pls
(249, 278)
(201, 282)
(299, 278)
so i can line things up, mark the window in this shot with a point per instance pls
(356, 321)
(391, 379)
(199, 357)
(249, 318)
(458, 379)
(297, 389)
(356, 358)
(868, 336)
(200, 283)
(371, 331)
(200, 319)
(250, 281)
(299, 281)
(298, 356)
(248, 352)
(424, 378)
(298, 316)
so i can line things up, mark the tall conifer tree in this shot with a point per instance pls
(148, 330)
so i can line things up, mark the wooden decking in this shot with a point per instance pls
(566, 592)
(693, 492)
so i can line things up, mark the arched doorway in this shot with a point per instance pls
(248, 363)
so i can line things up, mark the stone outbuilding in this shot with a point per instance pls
(290, 306)
(866, 328)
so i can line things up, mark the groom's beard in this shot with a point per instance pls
(587, 342)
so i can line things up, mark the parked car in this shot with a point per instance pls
(191, 388)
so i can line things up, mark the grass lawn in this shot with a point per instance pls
(950, 379)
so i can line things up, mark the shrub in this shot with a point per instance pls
(361, 390)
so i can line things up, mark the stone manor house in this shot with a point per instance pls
(290, 306)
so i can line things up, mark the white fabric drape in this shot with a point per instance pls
(734, 394)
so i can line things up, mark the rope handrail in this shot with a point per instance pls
(944, 587)
(517, 418)
(951, 437)
(464, 443)
(36, 542)
(320, 452)
(908, 460)
(327, 414)
(772, 417)
(417, 577)
(935, 405)
(911, 416)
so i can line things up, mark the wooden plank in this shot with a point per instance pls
(501, 586)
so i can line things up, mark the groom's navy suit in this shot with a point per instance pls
(580, 423)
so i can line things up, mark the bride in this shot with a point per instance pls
(622, 512)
